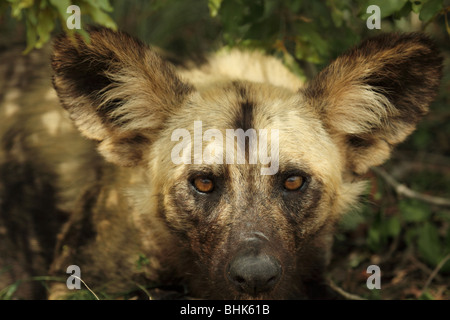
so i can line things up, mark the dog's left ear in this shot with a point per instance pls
(371, 97)
(118, 91)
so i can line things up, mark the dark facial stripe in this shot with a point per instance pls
(244, 118)
(247, 115)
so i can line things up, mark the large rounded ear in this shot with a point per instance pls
(371, 97)
(116, 90)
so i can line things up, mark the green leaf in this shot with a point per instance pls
(233, 18)
(339, 16)
(416, 5)
(430, 9)
(214, 6)
(429, 245)
(426, 296)
(32, 15)
(31, 36)
(43, 5)
(309, 44)
(99, 16)
(374, 238)
(411, 236)
(404, 11)
(393, 226)
(45, 26)
(387, 7)
(269, 9)
(7, 293)
(265, 30)
(414, 211)
(104, 5)
(18, 5)
(447, 26)
(61, 6)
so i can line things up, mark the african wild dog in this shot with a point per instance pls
(222, 230)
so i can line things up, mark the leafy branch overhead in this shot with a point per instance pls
(309, 30)
(41, 16)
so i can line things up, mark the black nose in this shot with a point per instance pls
(254, 274)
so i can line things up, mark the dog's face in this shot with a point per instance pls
(249, 230)
(251, 178)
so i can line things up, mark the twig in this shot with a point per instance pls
(343, 293)
(144, 290)
(407, 192)
(76, 277)
(435, 272)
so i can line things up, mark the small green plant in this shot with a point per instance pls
(421, 232)
(7, 293)
(142, 261)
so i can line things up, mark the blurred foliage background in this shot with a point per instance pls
(407, 236)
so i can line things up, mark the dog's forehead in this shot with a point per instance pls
(241, 105)
(267, 108)
(278, 119)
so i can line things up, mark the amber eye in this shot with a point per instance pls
(293, 183)
(203, 184)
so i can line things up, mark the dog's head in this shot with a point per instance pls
(250, 177)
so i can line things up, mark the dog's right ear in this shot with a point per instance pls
(372, 96)
(117, 91)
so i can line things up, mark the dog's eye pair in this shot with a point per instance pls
(206, 185)
(203, 184)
